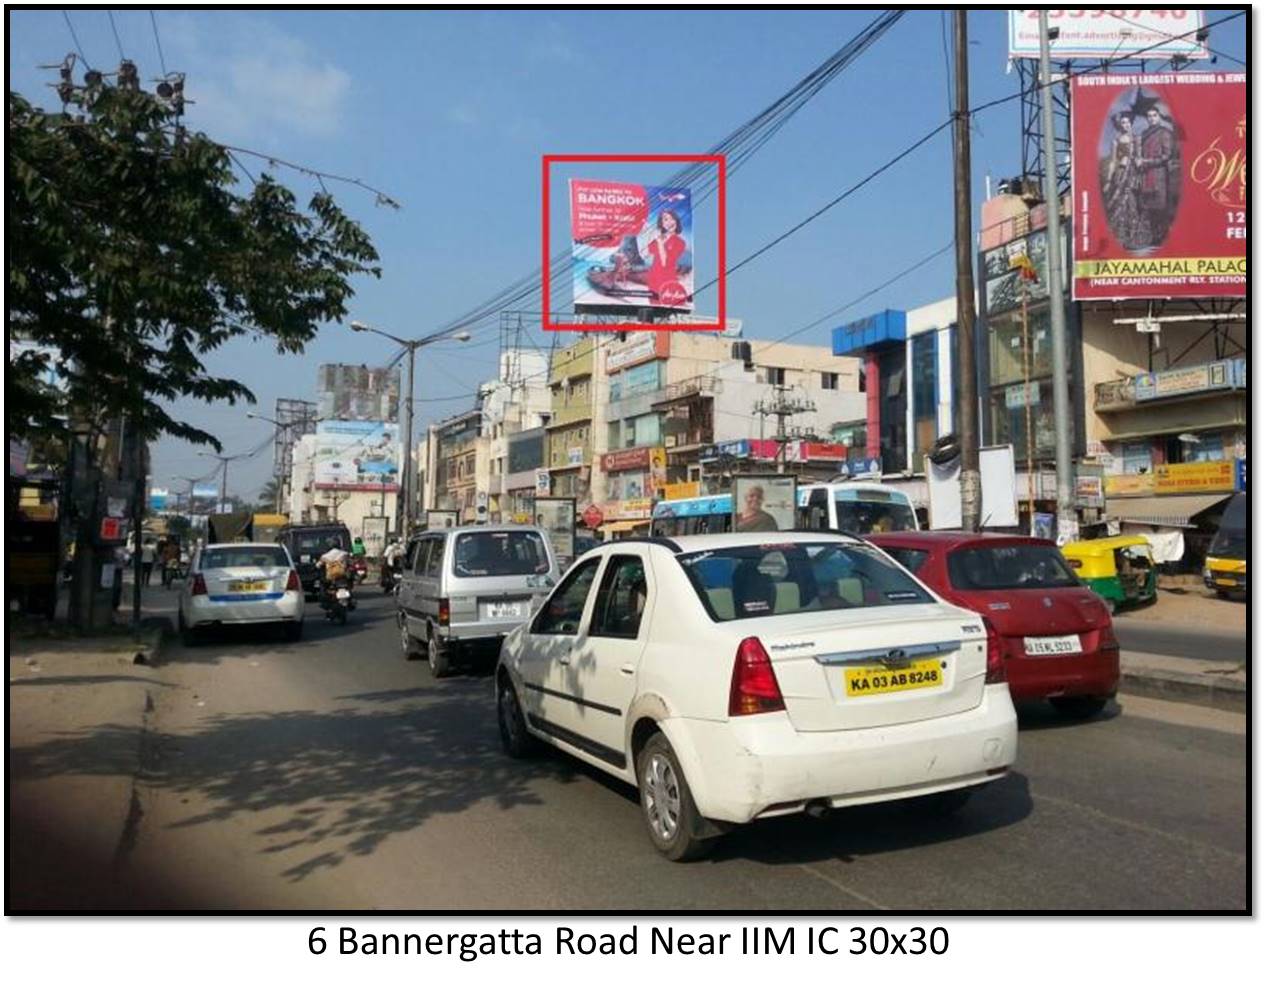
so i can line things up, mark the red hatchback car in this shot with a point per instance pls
(1053, 634)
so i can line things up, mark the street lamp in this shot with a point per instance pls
(404, 501)
(223, 459)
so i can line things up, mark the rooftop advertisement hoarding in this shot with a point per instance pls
(356, 456)
(1092, 33)
(631, 246)
(1159, 185)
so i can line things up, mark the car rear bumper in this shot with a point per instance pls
(760, 766)
(1035, 678)
(475, 631)
(201, 610)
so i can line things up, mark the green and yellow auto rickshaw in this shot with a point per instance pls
(1119, 568)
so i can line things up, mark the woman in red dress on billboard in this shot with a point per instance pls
(665, 251)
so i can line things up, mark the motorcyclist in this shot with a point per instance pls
(334, 567)
(392, 563)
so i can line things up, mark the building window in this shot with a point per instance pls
(830, 381)
(923, 393)
(1136, 458)
(772, 376)
(1190, 447)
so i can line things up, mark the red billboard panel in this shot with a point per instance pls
(1159, 185)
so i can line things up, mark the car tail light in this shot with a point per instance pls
(445, 611)
(1107, 637)
(292, 582)
(199, 585)
(754, 688)
(995, 669)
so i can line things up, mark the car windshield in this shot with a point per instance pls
(1023, 565)
(245, 556)
(793, 578)
(1231, 539)
(318, 541)
(494, 554)
(874, 516)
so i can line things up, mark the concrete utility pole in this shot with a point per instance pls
(782, 407)
(1068, 529)
(968, 402)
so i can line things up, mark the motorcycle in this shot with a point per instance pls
(359, 570)
(389, 579)
(337, 600)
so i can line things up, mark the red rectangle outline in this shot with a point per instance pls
(545, 324)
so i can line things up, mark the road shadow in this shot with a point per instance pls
(330, 785)
(1038, 716)
(867, 830)
(84, 680)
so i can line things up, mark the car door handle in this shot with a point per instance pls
(565, 659)
(627, 669)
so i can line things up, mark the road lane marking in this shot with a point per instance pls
(843, 887)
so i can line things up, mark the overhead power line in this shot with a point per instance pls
(153, 22)
(737, 147)
(1174, 37)
(115, 31)
(75, 38)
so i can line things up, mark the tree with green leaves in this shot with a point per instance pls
(133, 252)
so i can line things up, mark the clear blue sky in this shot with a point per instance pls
(449, 112)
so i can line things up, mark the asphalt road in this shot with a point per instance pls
(332, 774)
(1147, 636)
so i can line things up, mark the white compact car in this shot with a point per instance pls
(739, 676)
(241, 583)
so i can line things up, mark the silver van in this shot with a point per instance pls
(464, 589)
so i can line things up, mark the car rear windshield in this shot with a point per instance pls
(317, 541)
(503, 554)
(1002, 568)
(746, 582)
(219, 557)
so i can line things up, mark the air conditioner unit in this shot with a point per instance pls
(669, 441)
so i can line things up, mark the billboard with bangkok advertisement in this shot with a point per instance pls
(631, 246)
(1159, 185)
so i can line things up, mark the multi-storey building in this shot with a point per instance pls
(573, 386)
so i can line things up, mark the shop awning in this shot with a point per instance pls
(1163, 510)
(623, 525)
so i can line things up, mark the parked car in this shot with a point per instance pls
(462, 590)
(737, 676)
(1056, 635)
(240, 584)
(306, 544)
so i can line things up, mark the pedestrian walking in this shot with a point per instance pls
(171, 562)
(148, 552)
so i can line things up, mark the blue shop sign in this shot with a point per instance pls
(1240, 474)
(727, 448)
(859, 336)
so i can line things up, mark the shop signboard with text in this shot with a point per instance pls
(1179, 381)
(1198, 476)
(1159, 185)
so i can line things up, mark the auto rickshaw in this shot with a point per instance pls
(1119, 568)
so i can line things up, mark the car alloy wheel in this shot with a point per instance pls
(437, 656)
(662, 797)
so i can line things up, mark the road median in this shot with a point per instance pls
(1212, 683)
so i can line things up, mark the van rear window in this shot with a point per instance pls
(502, 554)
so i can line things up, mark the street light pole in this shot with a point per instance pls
(404, 506)
(1067, 525)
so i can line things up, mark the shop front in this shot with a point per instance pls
(635, 477)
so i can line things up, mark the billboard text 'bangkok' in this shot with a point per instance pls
(1159, 185)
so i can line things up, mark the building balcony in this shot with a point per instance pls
(703, 386)
(1173, 385)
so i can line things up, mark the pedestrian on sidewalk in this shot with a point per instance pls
(148, 553)
(171, 562)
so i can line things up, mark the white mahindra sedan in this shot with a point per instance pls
(241, 583)
(739, 676)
